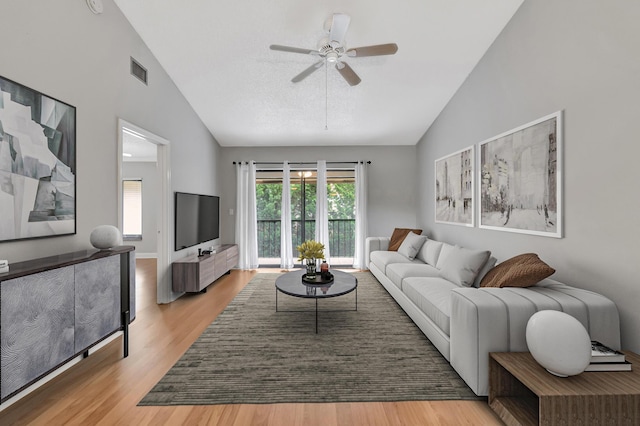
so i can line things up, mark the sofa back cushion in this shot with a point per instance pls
(485, 269)
(411, 245)
(399, 235)
(444, 254)
(463, 265)
(430, 252)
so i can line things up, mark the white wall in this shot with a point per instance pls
(62, 49)
(148, 172)
(392, 183)
(581, 57)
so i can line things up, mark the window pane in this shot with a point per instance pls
(132, 208)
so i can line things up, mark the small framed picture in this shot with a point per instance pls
(455, 190)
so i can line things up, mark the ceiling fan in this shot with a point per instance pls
(332, 50)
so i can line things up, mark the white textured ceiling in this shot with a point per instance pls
(218, 55)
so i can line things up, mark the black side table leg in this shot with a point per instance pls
(316, 315)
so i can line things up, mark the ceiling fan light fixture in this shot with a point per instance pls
(332, 57)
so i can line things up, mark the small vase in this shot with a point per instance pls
(311, 268)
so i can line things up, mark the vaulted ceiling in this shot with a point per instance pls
(218, 55)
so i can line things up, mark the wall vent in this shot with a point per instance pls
(138, 71)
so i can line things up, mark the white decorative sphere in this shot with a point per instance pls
(105, 236)
(558, 342)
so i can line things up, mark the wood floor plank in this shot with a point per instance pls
(104, 389)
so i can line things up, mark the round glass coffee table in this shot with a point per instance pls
(291, 284)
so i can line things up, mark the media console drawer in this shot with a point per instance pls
(194, 274)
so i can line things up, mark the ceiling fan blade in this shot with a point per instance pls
(292, 49)
(339, 27)
(306, 73)
(348, 73)
(376, 50)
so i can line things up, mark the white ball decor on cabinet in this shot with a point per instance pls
(558, 342)
(104, 237)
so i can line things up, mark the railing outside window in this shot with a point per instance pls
(341, 237)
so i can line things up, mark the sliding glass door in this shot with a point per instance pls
(341, 212)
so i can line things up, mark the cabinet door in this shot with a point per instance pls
(37, 326)
(97, 300)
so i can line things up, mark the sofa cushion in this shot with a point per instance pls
(383, 258)
(397, 272)
(399, 235)
(523, 270)
(462, 265)
(445, 251)
(433, 297)
(411, 244)
(429, 252)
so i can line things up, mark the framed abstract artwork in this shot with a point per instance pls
(454, 191)
(520, 175)
(37, 164)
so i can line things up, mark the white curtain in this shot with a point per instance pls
(359, 260)
(246, 216)
(322, 216)
(286, 245)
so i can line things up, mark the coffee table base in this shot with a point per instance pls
(316, 310)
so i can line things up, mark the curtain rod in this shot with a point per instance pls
(304, 162)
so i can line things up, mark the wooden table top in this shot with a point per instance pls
(522, 366)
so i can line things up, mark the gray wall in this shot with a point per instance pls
(62, 49)
(580, 57)
(148, 172)
(392, 183)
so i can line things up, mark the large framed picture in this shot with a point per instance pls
(37, 164)
(520, 177)
(454, 189)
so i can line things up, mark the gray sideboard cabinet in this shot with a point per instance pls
(56, 308)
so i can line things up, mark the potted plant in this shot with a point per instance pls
(310, 251)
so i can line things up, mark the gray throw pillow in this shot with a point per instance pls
(411, 244)
(462, 265)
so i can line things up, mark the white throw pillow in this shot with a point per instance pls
(462, 265)
(411, 244)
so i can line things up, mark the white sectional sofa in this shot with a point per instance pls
(464, 322)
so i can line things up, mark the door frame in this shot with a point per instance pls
(163, 285)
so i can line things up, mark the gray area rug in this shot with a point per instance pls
(253, 355)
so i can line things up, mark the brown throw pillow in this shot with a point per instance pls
(524, 270)
(398, 236)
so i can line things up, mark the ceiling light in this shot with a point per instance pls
(126, 154)
(332, 57)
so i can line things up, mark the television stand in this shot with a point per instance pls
(194, 274)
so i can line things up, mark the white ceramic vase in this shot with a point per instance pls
(558, 342)
(104, 237)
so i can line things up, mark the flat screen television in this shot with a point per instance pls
(197, 219)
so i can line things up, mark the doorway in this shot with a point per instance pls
(162, 186)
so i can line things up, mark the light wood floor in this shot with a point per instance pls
(105, 388)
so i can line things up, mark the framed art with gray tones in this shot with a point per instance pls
(520, 175)
(454, 191)
(37, 164)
